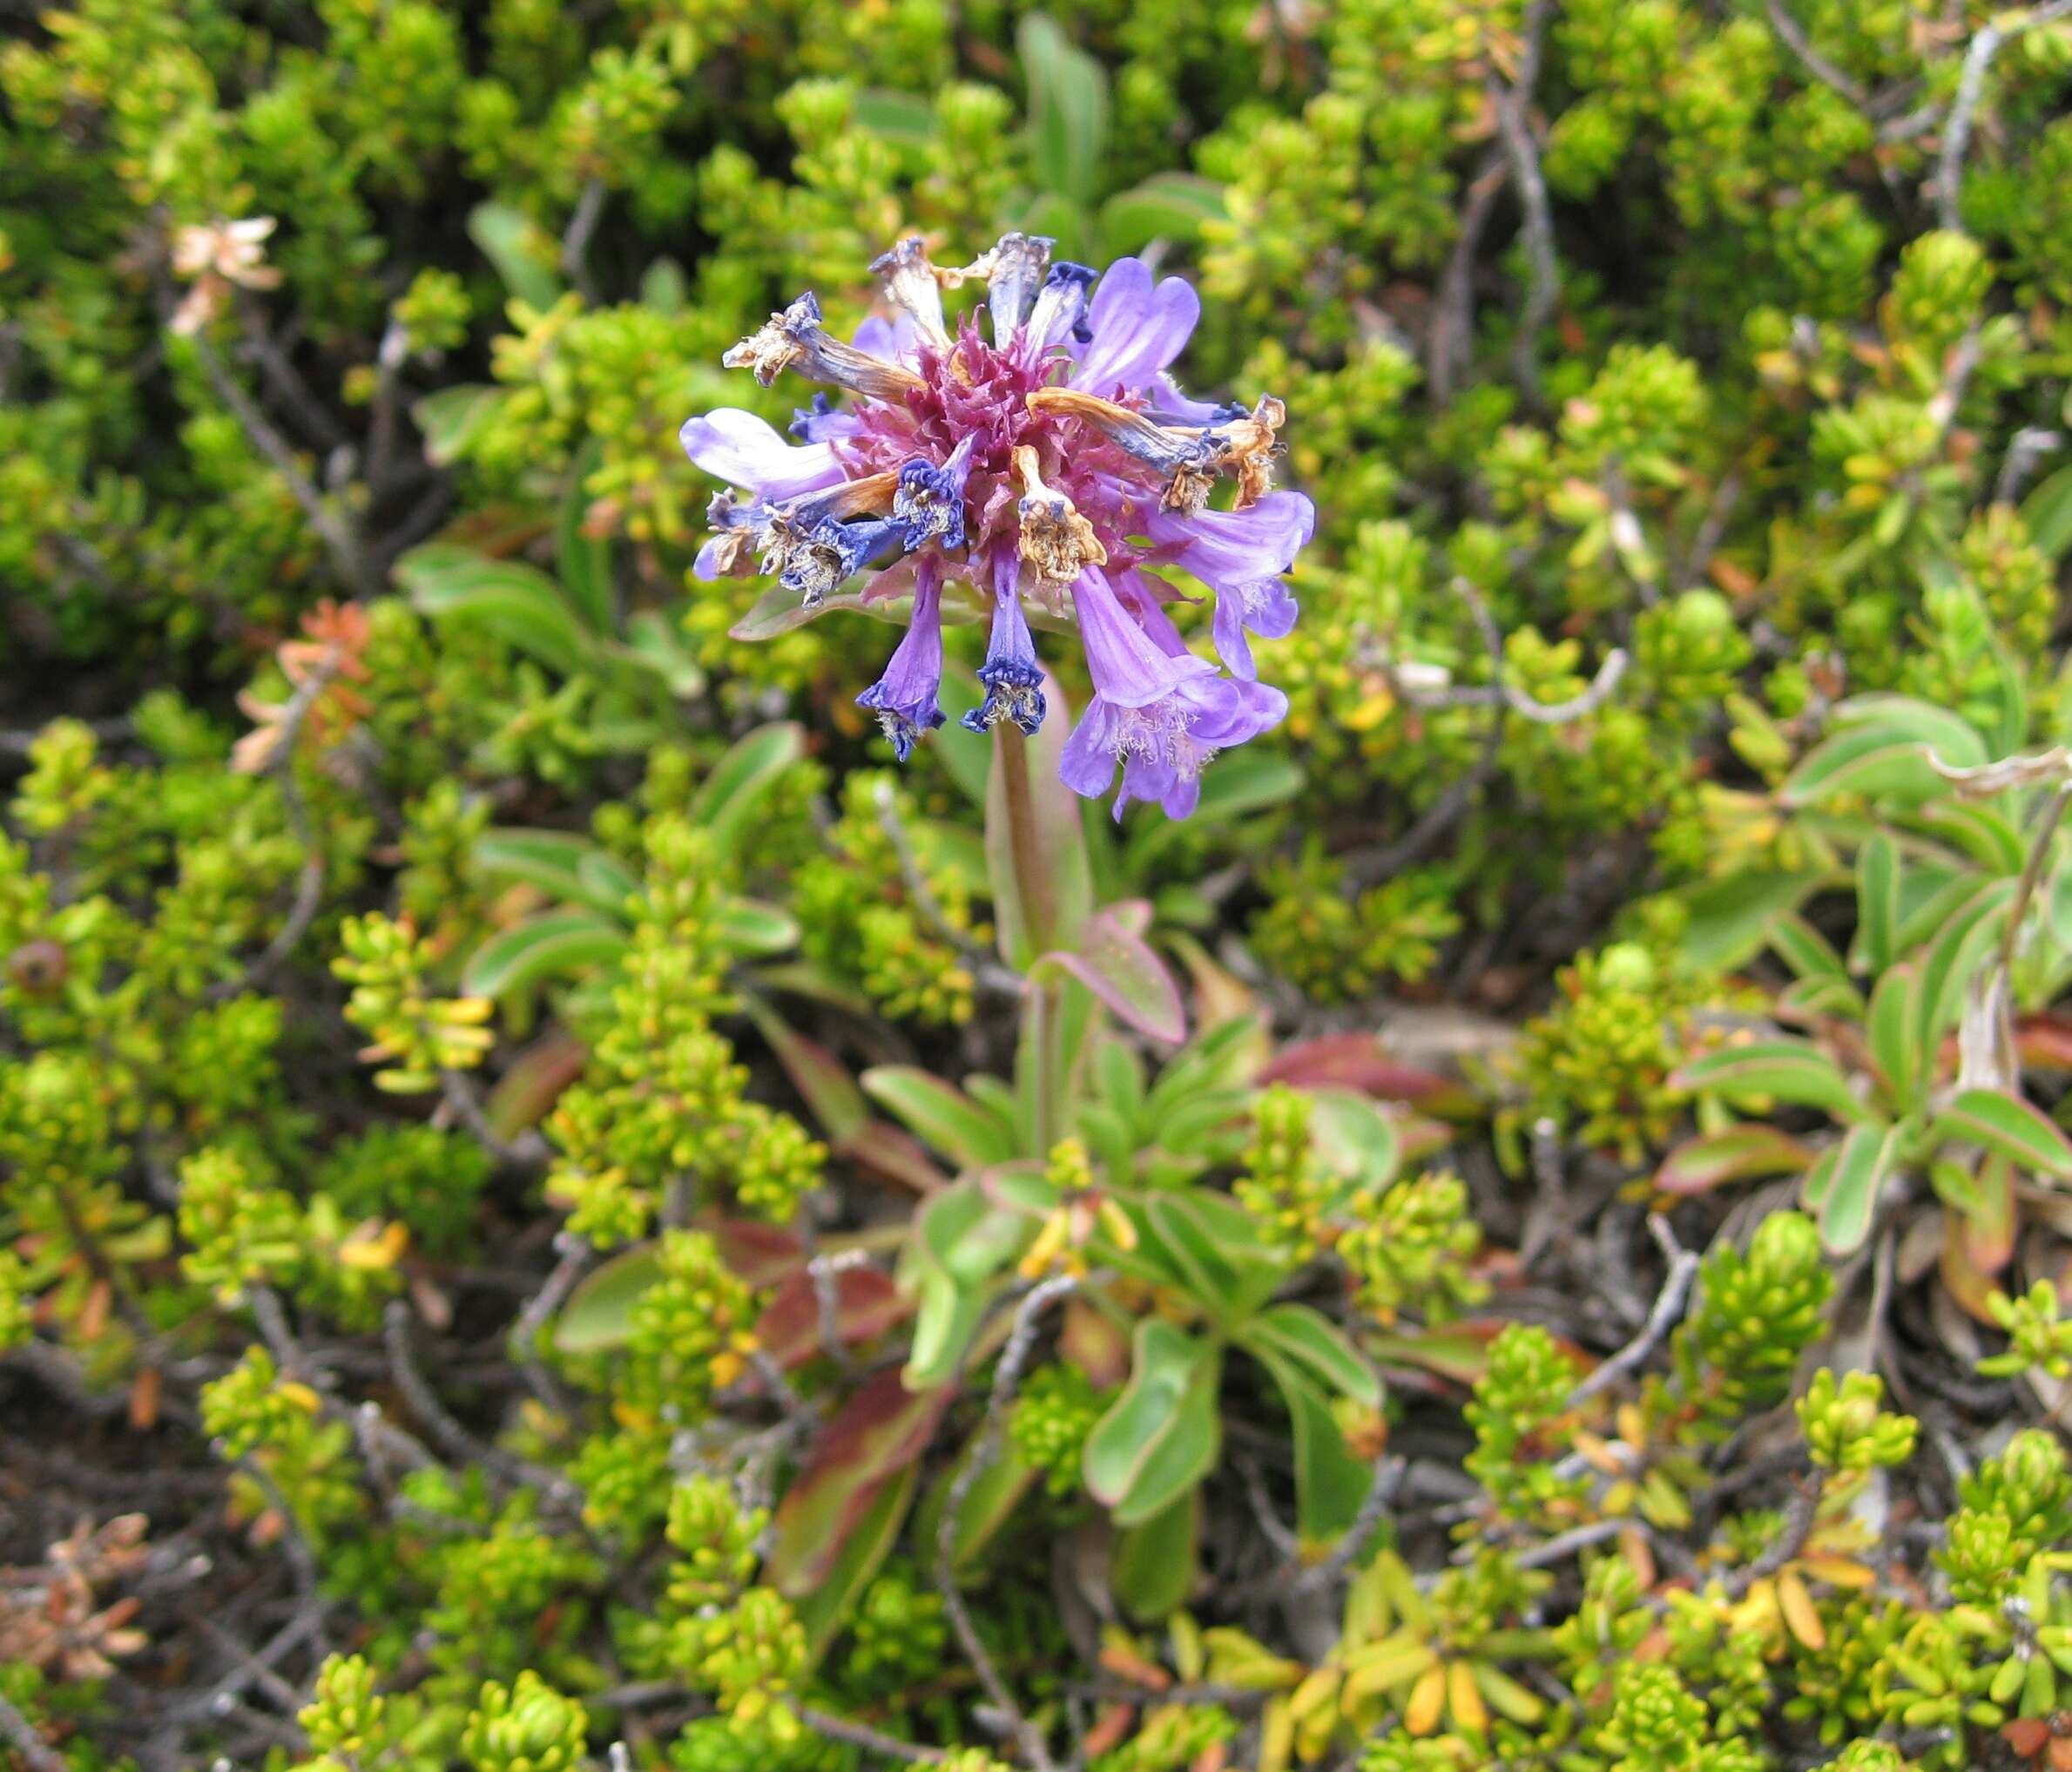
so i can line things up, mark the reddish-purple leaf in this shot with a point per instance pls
(2044, 1040)
(866, 1304)
(760, 1254)
(1115, 962)
(533, 1084)
(881, 1429)
(816, 1073)
(1735, 1154)
(894, 1154)
(1355, 1061)
(1096, 1343)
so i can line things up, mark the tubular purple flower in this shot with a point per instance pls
(732, 546)
(1059, 457)
(1060, 310)
(1012, 677)
(904, 698)
(831, 551)
(822, 421)
(745, 450)
(1137, 330)
(1168, 405)
(1162, 717)
(1240, 555)
(1184, 459)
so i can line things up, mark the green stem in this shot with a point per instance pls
(1042, 1023)
(1039, 903)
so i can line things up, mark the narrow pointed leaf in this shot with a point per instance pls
(1310, 1340)
(731, 795)
(1849, 1197)
(1116, 964)
(826, 1609)
(941, 1114)
(876, 1435)
(1773, 1070)
(816, 1073)
(1877, 901)
(1160, 1438)
(2009, 1125)
(1735, 1154)
(1155, 1564)
(555, 945)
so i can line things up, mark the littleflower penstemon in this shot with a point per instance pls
(1055, 460)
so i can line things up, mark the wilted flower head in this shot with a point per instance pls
(214, 257)
(1048, 456)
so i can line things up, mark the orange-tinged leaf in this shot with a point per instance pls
(879, 1431)
(1801, 1616)
(1428, 1702)
(1110, 1727)
(1124, 1662)
(1464, 1698)
(144, 1391)
(867, 1304)
(1838, 1571)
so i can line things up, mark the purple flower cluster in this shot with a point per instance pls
(1055, 460)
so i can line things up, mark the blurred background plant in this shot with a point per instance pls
(524, 1231)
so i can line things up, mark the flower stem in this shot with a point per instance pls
(1032, 878)
(1043, 1013)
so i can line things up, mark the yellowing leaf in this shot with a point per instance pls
(1800, 1615)
(1428, 1702)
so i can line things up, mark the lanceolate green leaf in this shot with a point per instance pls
(452, 418)
(1330, 1482)
(584, 560)
(729, 798)
(1893, 1044)
(1154, 1565)
(751, 927)
(826, 1609)
(515, 602)
(523, 252)
(1160, 1438)
(1956, 953)
(2008, 1124)
(1848, 1184)
(1725, 920)
(989, 1504)
(1733, 1153)
(1116, 964)
(874, 1438)
(552, 860)
(555, 945)
(2047, 512)
(599, 1313)
(942, 1114)
(817, 1074)
(1877, 901)
(1789, 1071)
(1068, 110)
(1309, 1339)
(1166, 205)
